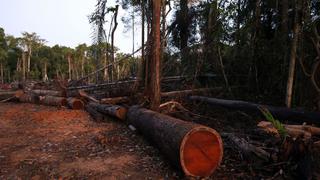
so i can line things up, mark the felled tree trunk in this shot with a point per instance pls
(53, 101)
(75, 103)
(196, 149)
(41, 92)
(94, 113)
(29, 98)
(281, 113)
(112, 110)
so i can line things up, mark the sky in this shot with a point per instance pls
(63, 22)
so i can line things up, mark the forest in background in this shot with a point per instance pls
(271, 48)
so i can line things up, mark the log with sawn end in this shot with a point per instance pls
(75, 103)
(53, 101)
(115, 100)
(42, 92)
(194, 148)
(94, 113)
(29, 98)
(112, 110)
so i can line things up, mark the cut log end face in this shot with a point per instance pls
(201, 152)
(121, 113)
(64, 102)
(76, 104)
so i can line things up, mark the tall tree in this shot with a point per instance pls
(153, 87)
(293, 52)
(30, 41)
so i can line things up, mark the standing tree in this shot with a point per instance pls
(3, 53)
(154, 57)
(293, 52)
(30, 41)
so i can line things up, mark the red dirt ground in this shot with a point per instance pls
(39, 142)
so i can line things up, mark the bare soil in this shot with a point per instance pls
(40, 142)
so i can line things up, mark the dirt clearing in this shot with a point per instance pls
(40, 142)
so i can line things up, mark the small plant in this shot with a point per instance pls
(276, 123)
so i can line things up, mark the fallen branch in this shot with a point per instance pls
(246, 148)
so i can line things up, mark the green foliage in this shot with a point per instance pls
(276, 123)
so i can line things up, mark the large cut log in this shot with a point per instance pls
(42, 92)
(9, 94)
(281, 113)
(75, 103)
(196, 149)
(112, 110)
(53, 101)
(115, 100)
(29, 98)
(94, 113)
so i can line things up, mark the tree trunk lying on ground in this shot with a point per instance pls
(41, 92)
(108, 109)
(29, 98)
(94, 113)
(281, 113)
(8, 94)
(53, 101)
(196, 149)
(75, 103)
(115, 100)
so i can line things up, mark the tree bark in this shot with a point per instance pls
(97, 116)
(75, 103)
(184, 31)
(69, 66)
(23, 66)
(53, 101)
(42, 92)
(1, 71)
(112, 110)
(154, 79)
(29, 98)
(114, 67)
(293, 53)
(194, 148)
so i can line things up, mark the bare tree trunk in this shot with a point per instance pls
(69, 66)
(45, 74)
(1, 69)
(154, 85)
(112, 41)
(82, 66)
(29, 61)
(105, 73)
(296, 31)
(23, 66)
(184, 31)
